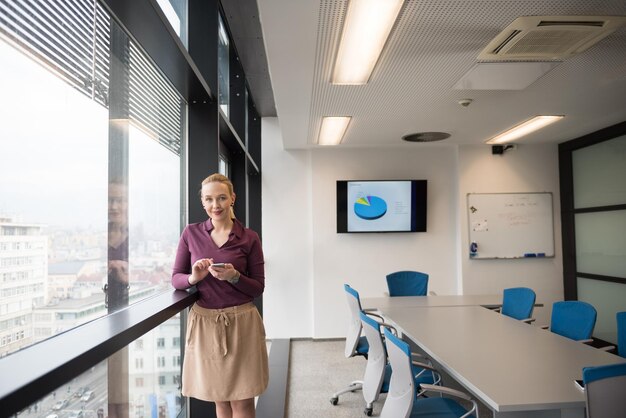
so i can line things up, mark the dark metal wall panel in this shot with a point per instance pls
(202, 153)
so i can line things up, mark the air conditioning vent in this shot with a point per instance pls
(549, 38)
(597, 24)
(506, 41)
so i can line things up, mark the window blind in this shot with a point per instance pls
(72, 39)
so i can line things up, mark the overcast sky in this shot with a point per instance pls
(53, 164)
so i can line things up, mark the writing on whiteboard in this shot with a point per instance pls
(510, 225)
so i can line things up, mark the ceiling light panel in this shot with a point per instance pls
(524, 128)
(333, 129)
(366, 29)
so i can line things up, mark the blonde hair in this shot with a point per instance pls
(220, 178)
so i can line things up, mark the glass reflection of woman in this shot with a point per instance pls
(118, 246)
(225, 356)
(117, 295)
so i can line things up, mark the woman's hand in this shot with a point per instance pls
(199, 270)
(227, 273)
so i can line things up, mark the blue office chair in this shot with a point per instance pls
(378, 370)
(407, 283)
(621, 336)
(356, 345)
(573, 319)
(402, 398)
(605, 387)
(621, 333)
(518, 303)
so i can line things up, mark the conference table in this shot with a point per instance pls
(515, 369)
(487, 301)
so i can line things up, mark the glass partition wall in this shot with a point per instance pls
(593, 194)
(109, 128)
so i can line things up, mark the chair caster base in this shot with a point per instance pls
(368, 411)
(333, 401)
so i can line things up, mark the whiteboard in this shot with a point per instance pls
(510, 225)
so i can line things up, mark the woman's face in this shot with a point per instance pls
(118, 203)
(217, 200)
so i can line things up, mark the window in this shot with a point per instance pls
(161, 362)
(176, 342)
(161, 380)
(223, 68)
(176, 13)
(107, 136)
(103, 112)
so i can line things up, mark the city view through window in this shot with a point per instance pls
(56, 211)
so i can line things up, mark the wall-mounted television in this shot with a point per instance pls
(381, 206)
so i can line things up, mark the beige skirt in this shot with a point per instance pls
(225, 355)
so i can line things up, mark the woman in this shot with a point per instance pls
(225, 354)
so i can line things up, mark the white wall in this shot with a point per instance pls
(307, 262)
(363, 260)
(287, 237)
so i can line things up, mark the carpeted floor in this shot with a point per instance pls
(317, 369)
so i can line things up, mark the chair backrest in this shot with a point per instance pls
(401, 395)
(605, 387)
(573, 319)
(518, 302)
(407, 283)
(376, 359)
(621, 333)
(354, 322)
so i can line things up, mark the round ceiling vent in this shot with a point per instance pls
(426, 136)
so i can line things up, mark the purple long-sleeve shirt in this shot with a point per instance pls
(243, 250)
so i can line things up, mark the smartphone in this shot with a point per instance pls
(580, 384)
(218, 265)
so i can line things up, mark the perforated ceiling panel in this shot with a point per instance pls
(433, 44)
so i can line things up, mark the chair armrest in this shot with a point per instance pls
(607, 348)
(446, 391)
(423, 365)
(366, 310)
(529, 320)
(588, 341)
(393, 329)
(369, 313)
(418, 356)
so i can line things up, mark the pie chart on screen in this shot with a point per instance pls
(370, 207)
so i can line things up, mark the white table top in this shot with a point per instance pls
(509, 365)
(488, 301)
